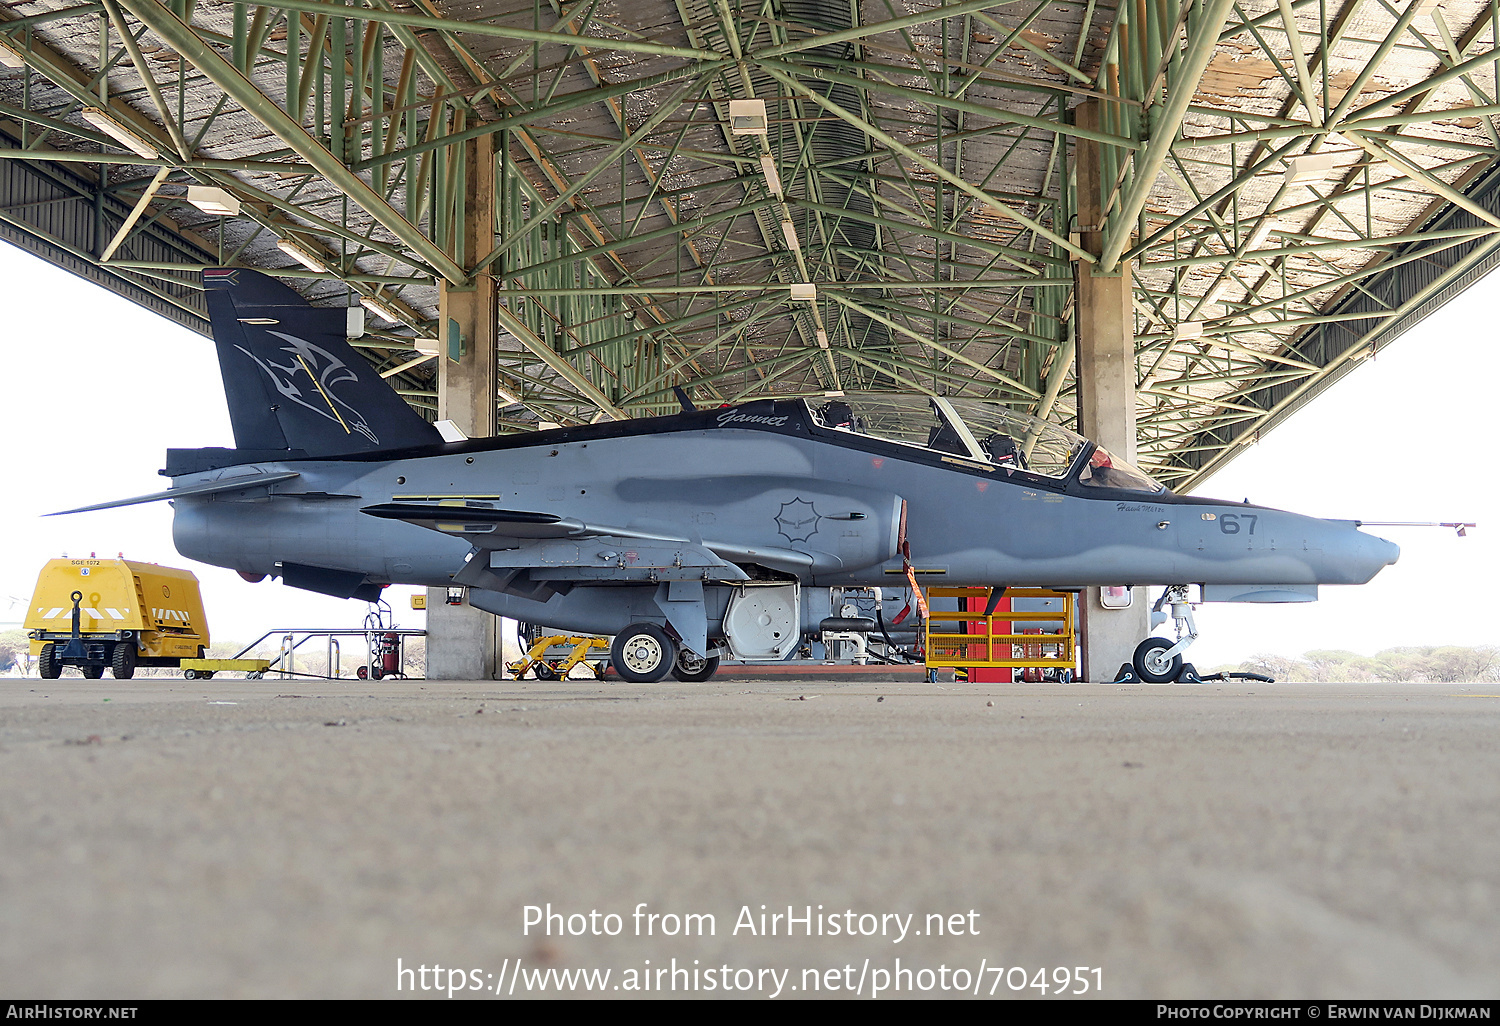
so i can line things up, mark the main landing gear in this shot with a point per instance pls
(644, 653)
(692, 668)
(1159, 660)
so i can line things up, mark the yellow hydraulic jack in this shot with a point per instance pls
(558, 669)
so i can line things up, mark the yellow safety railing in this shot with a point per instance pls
(978, 640)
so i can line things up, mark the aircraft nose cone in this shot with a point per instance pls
(1351, 555)
(1374, 554)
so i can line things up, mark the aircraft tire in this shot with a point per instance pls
(691, 668)
(92, 672)
(47, 664)
(1149, 664)
(643, 653)
(122, 662)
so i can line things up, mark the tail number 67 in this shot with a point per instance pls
(1232, 523)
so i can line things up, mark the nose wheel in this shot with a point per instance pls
(1154, 662)
(1159, 660)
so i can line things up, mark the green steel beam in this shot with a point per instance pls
(180, 36)
(1197, 52)
(481, 28)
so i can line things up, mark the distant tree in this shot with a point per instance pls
(1279, 667)
(1452, 663)
(1407, 664)
(1337, 666)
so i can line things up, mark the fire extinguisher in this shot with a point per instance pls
(390, 659)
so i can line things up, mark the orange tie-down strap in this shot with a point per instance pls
(911, 578)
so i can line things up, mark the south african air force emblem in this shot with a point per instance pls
(798, 520)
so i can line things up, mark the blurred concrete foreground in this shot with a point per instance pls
(161, 838)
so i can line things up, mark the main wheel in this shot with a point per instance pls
(92, 672)
(122, 664)
(643, 653)
(47, 664)
(692, 668)
(1151, 662)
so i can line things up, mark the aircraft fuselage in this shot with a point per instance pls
(767, 491)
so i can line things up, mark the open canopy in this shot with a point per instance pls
(981, 431)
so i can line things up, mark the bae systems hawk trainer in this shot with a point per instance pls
(709, 533)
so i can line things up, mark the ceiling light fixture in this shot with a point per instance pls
(768, 168)
(380, 309)
(450, 431)
(211, 200)
(10, 55)
(302, 255)
(747, 117)
(106, 123)
(1309, 167)
(789, 233)
(1259, 236)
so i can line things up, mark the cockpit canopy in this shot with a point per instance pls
(983, 432)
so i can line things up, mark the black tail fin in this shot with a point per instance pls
(293, 381)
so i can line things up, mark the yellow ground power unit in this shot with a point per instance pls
(115, 613)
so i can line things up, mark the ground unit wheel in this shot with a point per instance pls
(92, 672)
(692, 668)
(122, 663)
(1151, 664)
(545, 670)
(643, 653)
(47, 664)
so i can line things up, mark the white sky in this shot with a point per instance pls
(97, 389)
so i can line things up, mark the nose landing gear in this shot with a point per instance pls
(1159, 660)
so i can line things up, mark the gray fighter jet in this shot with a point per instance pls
(733, 531)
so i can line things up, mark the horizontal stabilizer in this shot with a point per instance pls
(233, 484)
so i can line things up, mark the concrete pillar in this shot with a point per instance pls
(461, 640)
(1106, 400)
